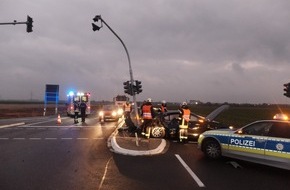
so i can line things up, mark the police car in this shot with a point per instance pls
(265, 142)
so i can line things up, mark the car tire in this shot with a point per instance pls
(212, 149)
(158, 132)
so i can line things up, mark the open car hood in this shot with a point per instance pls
(216, 112)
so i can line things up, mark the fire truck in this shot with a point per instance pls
(78, 97)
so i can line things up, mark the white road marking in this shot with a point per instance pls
(34, 138)
(197, 180)
(66, 138)
(12, 125)
(50, 138)
(19, 138)
(4, 138)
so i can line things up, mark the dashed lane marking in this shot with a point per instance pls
(50, 138)
(19, 138)
(34, 138)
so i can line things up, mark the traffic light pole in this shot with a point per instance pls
(28, 23)
(130, 67)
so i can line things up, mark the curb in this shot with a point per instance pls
(114, 147)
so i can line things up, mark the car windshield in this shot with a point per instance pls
(109, 107)
(172, 115)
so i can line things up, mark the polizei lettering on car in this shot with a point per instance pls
(242, 142)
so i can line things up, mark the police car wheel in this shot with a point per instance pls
(212, 149)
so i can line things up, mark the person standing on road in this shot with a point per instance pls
(76, 110)
(127, 109)
(163, 107)
(184, 117)
(184, 114)
(147, 115)
(83, 108)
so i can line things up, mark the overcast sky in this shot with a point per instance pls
(235, 51)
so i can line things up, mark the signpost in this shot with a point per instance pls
(51, 95)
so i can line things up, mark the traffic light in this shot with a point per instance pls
(96, 19)
(29, 24)
(128, 88)
(138, 87)
(287, 90)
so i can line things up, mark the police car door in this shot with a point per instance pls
(277, 148)
(250, 141)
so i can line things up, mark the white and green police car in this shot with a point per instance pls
(264, 142)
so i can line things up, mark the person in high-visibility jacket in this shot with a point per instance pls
(127, 109)
(147, 116)
(184, 116)
(163, 107)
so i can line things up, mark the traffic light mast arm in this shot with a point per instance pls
(28, 23)
(12, 23)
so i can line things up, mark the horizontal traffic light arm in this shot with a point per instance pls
(28, 23)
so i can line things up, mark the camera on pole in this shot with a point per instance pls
(287, 90)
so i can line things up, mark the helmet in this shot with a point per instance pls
(183, 104)
(149, 100)
(163, 102)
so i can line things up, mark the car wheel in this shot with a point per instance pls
(212, 149)
(158, 132)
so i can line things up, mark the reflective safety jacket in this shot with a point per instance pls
(127, 108)
(163, 109)
(146, 110)
(184, 118)
(186, 114)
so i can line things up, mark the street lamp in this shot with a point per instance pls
(96, 27)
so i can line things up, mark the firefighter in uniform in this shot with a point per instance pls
(184, 117)
(127, 110)
(163, 107)
(147, 116)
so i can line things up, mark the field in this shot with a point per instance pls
(237, 115)
(27, 110)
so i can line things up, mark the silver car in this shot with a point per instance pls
(265, 142)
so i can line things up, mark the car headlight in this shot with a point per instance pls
(120, 111)
(114, 113)
(101, 113)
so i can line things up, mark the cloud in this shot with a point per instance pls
(216, 51)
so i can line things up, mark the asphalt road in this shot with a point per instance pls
(43, 155)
